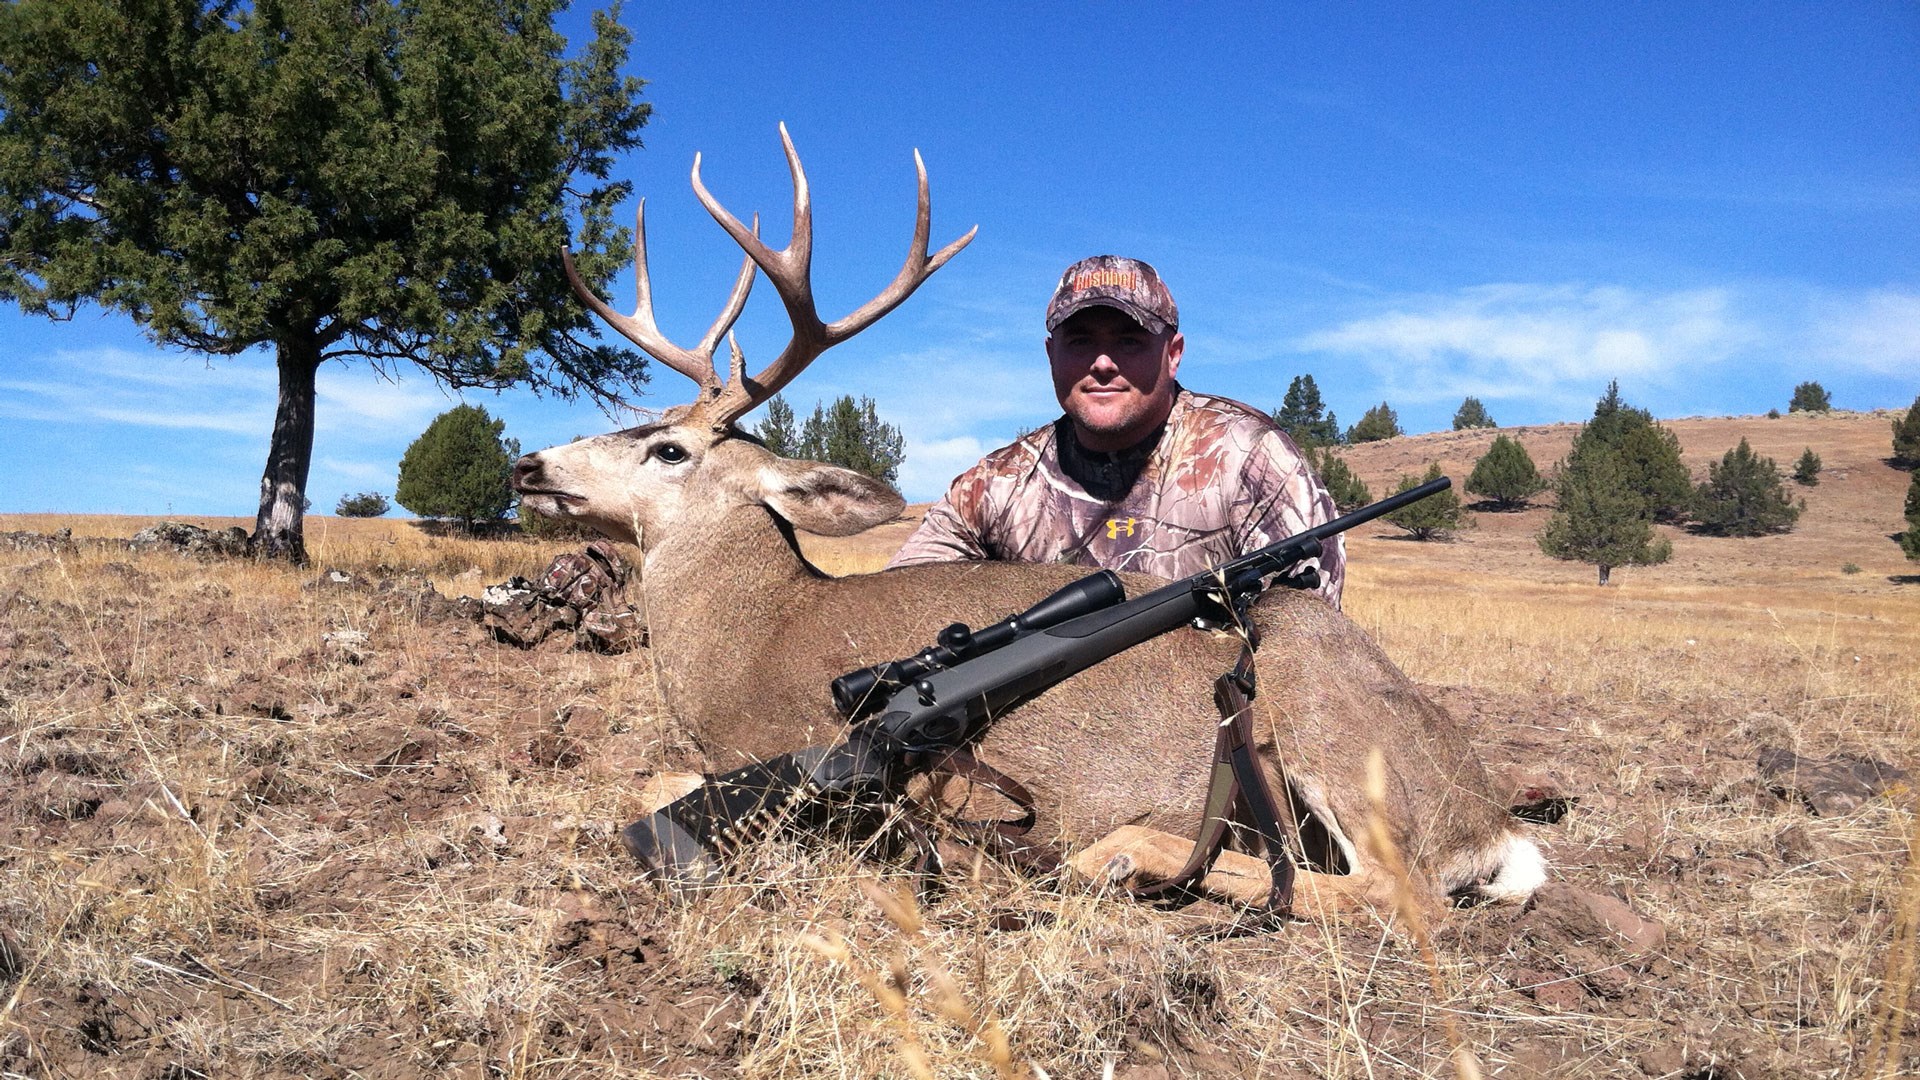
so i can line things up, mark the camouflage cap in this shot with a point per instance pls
(1113, 281)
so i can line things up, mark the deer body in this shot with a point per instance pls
(746, 635)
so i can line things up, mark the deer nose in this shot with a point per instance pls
(525, 470)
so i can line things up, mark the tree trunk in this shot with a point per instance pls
(278, 530)
(1605, 572)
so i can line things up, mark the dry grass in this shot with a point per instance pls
(229, 848)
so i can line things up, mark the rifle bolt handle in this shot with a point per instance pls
(925, 690)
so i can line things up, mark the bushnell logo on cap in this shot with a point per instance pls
(1128, 285)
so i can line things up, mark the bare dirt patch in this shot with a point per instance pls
(253, 828)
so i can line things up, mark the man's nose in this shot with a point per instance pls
(1103, 362)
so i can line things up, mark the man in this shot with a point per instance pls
(1140, 474)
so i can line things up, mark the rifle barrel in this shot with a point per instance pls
(1385, 506)
(1337, 526)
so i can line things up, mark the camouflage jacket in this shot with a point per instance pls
(1220, 481)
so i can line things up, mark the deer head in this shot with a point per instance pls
(646, 482)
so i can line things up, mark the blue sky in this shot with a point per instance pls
(1710, 203)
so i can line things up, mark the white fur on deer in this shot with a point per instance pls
(746, 635)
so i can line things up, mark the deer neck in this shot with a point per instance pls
(713, 591)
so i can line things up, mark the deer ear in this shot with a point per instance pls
(827, 500)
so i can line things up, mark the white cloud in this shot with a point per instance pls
(1878, 332)
(233, 423)
(359, 471)
(1536, 341)
(931, 466)
(354, 396)
(112, 386)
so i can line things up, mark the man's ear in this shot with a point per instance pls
(826, 500)
(1175, 348)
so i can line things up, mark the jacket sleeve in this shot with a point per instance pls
(1281, 496)
(948, 533)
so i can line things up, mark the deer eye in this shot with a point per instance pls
(671, 453)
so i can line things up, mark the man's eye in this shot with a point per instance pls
(670, 453)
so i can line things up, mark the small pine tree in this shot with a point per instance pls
(1301, 415)
(1910, 540)
(459, 468)
(367, 504)
(853, 436)
(1378, 423)
(1906, 437)
(1472, 414)
(1648, 455)
(1773, 414)
(1600, 519)
(1432, 518)
(1744, 495)
(1349, 491)
(1806, 471)
(777, 430)
(1506, 475)
(1810, 397)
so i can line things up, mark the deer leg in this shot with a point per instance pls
(1136, 855)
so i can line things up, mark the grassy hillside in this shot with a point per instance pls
(236, 841)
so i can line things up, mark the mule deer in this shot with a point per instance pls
(746, 633)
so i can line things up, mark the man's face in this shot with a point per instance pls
(1113, 376)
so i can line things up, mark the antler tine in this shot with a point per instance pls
(917, 270)
(790, 272)
(736, 303)
(790, 267)
(640, 327)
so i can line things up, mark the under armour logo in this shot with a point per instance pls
(1117, 528)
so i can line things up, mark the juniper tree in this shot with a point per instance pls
(1431, 518)
(1303, 416)
(1472, 414)
(1810, 397)
(367, 504)
(1648, 455)
(1599, 519)
(459, 468)
(1743, 495)
(1806, 471)
(332, 179)
(1906, 437)
(1378, 423)
(1348, 490)
(1910, 540)
(1506, 475)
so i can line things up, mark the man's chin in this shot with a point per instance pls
(1121, 425)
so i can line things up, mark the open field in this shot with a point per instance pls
(232, 846)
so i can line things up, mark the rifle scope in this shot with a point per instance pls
(858, 693)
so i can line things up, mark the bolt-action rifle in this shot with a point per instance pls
(907, 713)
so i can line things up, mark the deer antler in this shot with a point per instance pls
(790, 270)
(695, 363)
